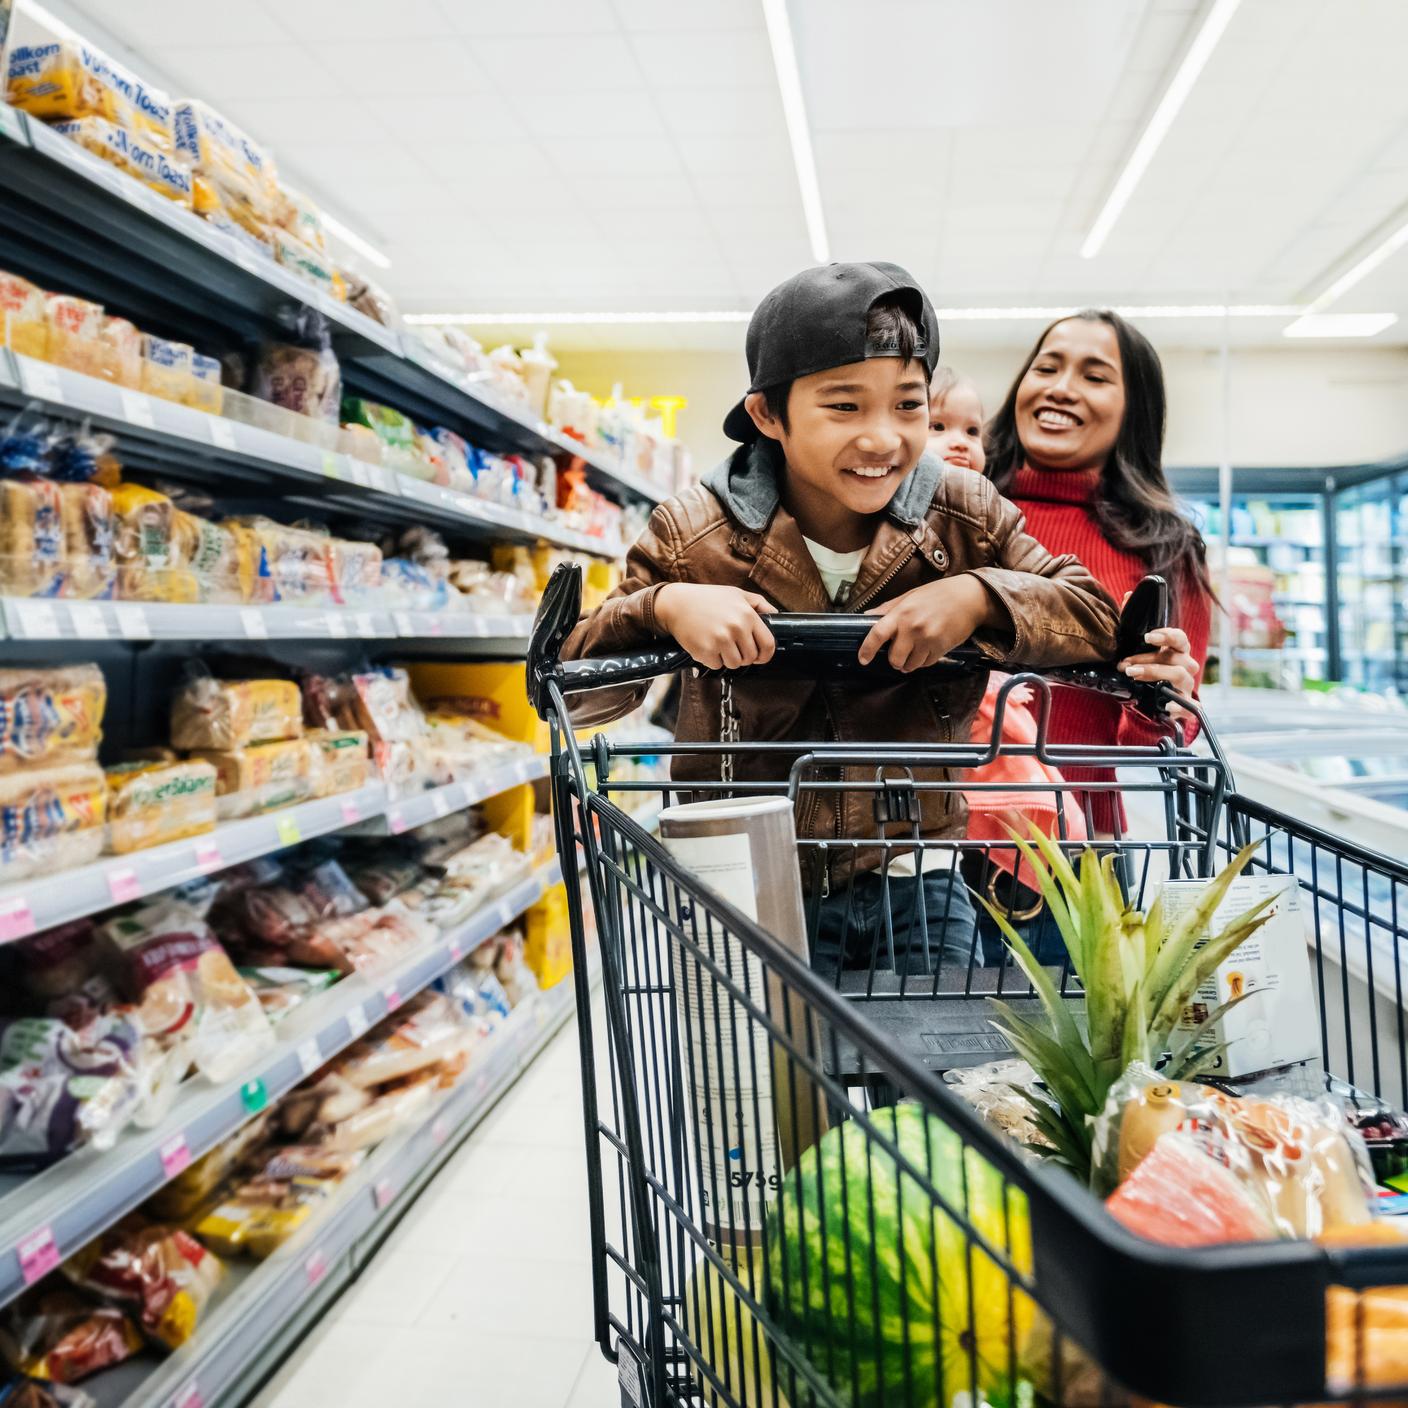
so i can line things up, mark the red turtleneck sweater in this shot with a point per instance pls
(1059, 517)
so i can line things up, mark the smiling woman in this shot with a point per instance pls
(1077, 445)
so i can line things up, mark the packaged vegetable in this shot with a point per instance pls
(89, 530)
(51, 818)
(24, 326)
(132, 154)
(166, 368)
(341, 761)
(55, 1334)
(31, 536)
(75, 326)
(187, 990)
(160, 1275)
(263, 776)
(192, 1188)
(50, 715)
(151, 803)
(207, 390)
(222, 715)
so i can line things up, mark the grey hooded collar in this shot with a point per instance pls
(747, 485)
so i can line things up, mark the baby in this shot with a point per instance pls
(956, 421)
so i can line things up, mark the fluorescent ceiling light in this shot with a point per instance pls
(1339, 324)
(1351, 276)
(789, 81)
(951, 315)
(1175, 95)
(353, 240)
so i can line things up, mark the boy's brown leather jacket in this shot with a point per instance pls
(733, 530)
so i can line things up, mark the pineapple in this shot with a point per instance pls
(1138, 975)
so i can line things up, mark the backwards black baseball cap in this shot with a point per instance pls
(816, 320)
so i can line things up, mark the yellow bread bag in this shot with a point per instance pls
(262, 777)
(31, 536)
(23, 325)
(341, 762)
(51, 818)
(166, 368)
(122, 352)
(210, 555)
(206, 392)
(75, 329)
(149, 803)
(142, 160)
(215, 149)
(50, 715)
(149, 564)
(223, 715)
(88, 530)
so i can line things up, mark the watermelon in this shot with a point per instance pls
(883, 1291)
(730, 1339)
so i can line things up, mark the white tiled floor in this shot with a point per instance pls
(482, 1296)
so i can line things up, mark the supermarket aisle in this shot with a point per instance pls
(482, 1297)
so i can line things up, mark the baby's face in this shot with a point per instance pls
(956, 428)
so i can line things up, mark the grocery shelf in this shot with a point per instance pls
(160, 431)
(42, 618)
(45, 900)
(69, 211)
(57, 1211)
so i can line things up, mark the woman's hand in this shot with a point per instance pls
(1168, 663)
(722, 628)
(923, 625)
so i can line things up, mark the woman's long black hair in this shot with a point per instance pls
(1134, 506)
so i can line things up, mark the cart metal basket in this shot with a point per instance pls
(952, 1270)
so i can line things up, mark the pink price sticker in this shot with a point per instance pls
(39, 1255)
(175, 1156)
(383, 1194)
(124, 885)
(440, 1130)
(456, 950)
(16, 920)
(351, 813)
(397, 821)
(393, 997)
(315, 1268)
(208, 857)
(188, 1397)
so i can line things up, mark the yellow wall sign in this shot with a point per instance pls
(666, 407)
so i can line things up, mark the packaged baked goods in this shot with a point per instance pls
(263, 776)
(55, 1334)
(141, 159)
(192, 1189)
(21, 1390)
(207, 392)
(394, 430)
(23, 325)
(31, 536)
(303, 259)
(51, 818)
(160, 1275)
(281, 990)
(148, 556)
(74, 327)
(89, 527)
(186, 989)
(58, 961)
(424, 1032)
(222, 715)
(213, 147)
(393, 1108)
(354, 571)
(150, 803)
(208, 556)
(302, 218)
(122, 352)
(341, 762)
(304, 379)
(295, 562)
(166, 368)
(50, 714)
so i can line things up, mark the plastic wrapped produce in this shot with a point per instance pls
(55, 1334)
(221, 715)
(151, 803)
(51, 818)
(23, 325)
(160, 1275)
(31, 536)
(187, 991)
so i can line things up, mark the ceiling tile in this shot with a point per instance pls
(559, 61)
(537, 19)
(451, 119)
(720, 112)
(724, 58)
(674, 17)
(402, 68)
(623, 112)
(325, 21)
(231, 72)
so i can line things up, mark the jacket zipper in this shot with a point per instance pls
(871, 592)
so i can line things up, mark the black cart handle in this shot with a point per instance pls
(824, 645)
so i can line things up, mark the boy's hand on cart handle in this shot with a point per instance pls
(923, 625)
(1168, 663)
(721, 628)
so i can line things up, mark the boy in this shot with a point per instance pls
(831, 504)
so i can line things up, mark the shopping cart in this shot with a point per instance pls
(952, 1271)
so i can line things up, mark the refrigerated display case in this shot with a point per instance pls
(1312, 573)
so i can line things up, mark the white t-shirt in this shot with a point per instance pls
(838, 570)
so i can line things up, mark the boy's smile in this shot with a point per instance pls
(852, 435)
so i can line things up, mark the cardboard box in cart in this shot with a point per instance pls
(1277, 1025)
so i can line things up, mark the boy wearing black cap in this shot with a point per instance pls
(831, 504)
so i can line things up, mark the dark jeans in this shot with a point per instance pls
(929, 925)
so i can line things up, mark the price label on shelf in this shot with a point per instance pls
(434, 626)
(16, 919)
(357, 472)
(39, 1255)
(405, 626)
(503, 912)
(440, 1130)
(124, 885)
(253, 623)
(188, 1397)
(88, 622)
(289, 834)
(366, 625)
(392, 994)
(137, 408)
(41, 380)
(336, 625)
(356, 1020)
(175, 1155)
(396, 820)
(456, 950)
(315, 1268)
(222, 434)
(383, 1195)
(310, 1056)
(332, 465)
(208, 856)
(351, 813)
(439, 803)
(247, 259)
(36, 620)
(255, 1096)
(132, 623)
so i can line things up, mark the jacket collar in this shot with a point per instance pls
(748, 484)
